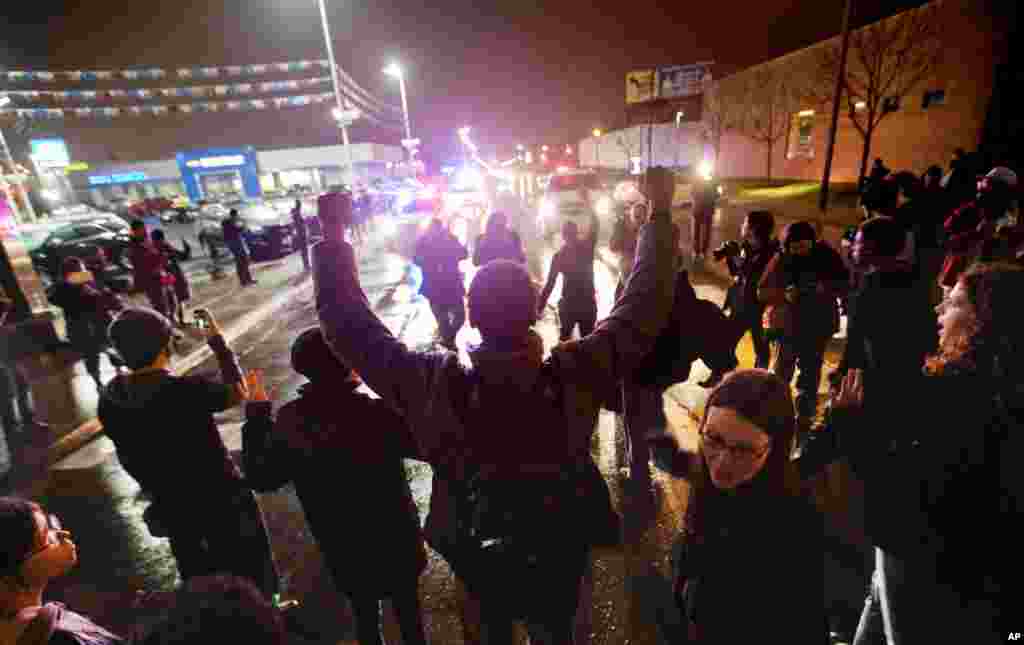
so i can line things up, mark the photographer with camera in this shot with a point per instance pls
(802, 283)
(747, 260)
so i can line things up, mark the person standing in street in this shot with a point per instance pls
(166, 437)
(318, 442)
(515, 520)
(149, 271)
(301, 234)
(575, 263)
(498, 242)
(705, 199)
(747, 262)
(624, 239)
(438, 254)
(805, 279)
(88, 310)
(234, 239)
(182, 288)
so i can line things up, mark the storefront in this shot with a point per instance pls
(104, 184)
(220, 172)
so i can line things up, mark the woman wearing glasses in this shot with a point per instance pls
(34, 550)
(749, 565)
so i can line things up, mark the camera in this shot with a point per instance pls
(728, 249)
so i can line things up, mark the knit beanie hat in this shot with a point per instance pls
(139, 334)
(313, 358)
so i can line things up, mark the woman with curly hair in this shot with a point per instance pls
(937, 457)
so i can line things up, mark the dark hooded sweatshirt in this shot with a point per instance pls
(165, 433)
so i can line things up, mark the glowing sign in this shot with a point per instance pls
(49, 153)
(119, 178)
(229, 161)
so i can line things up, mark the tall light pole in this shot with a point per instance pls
(395, 71)
(340, 110)
(837, 95)
(4, 101)
(597, 147)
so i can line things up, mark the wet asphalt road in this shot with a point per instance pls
(625, 599)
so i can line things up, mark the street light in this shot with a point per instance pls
(597, 147)
(544, 148)
(395, 71)
(339, 110)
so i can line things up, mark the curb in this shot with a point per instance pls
(92, 428)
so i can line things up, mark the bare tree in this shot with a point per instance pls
(722, 112)
(772, 95)
(887, 61)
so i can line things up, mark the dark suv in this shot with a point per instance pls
(268, 233)
(96, 245)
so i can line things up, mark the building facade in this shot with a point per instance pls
(946, 110)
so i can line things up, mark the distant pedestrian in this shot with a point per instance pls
(498, 242)
(340, 446)
(182, 288)
(234, 239)
(163, 429)
(623, 241)
(88, 309)
(749, 564)
(705, 200)
(438, 254)
(575, 263)
(747, 262)
(149, 270)
(301, 234)
(34, 551)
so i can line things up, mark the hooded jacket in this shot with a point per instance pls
(335, 444)
(424, 386)
(438, 254)
(165, 435)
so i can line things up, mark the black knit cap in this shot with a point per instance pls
(139, 334)
(313, 358)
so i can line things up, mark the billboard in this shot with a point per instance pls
(49, 153)
(682, 80)
(640, 86)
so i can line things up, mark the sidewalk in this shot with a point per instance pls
(237, 310)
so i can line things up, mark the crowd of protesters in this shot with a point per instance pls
(924, 407)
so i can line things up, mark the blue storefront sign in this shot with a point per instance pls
(117, 178)
(194, 164)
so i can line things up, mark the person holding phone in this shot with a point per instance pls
(166, 437)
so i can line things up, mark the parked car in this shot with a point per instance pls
(564, 200)
(96, 245)
(268, 232)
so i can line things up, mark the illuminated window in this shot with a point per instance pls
(933, 98)
(801, 136)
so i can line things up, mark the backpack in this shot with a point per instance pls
(504, 500)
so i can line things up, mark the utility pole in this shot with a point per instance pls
(837, 94)
(342, 108)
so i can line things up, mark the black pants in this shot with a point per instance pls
(762, 347)
(808, 354)
(367, 610)
(242, 266)
(571, 315)
(14, 398)
(450, 318)
(226, 535)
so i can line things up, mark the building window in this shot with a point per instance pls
(801, 136)
(891, 104)
(933, 98)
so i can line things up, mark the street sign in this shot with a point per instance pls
(410, 143)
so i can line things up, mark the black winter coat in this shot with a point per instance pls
(747, 269)
(336, 445)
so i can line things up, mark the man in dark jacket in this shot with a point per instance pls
(747, 262)
(166, 438)
(575, 263)
(806, 278)
(234, 239)
(301, 234)
(529, 570)
(149, 270)
(438, 254)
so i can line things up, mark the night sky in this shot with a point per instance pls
(514, 70)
